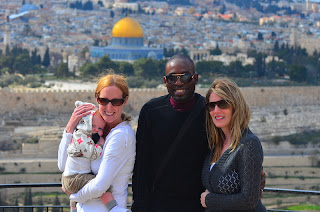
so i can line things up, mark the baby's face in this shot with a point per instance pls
(98, 124)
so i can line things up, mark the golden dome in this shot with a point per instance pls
(127, 28)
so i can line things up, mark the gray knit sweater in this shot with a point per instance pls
(234, 181)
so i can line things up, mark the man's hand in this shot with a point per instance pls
(262, 183)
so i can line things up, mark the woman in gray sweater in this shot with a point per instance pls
(232, 170)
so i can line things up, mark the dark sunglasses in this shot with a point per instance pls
(222, 104)
(114, 102)
(184, 78)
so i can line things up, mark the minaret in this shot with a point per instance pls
(7, 29)
(307, 6)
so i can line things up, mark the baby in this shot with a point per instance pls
(86, 145)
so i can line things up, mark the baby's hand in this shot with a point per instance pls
(101, 141)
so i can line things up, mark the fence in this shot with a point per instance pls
(61, 207)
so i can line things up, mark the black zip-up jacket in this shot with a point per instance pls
(180, 186)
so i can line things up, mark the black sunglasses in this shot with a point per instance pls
(184, 78)
(222, 104)
(114, 102)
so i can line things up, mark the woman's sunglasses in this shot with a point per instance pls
(184, 78)
(222, 104)
(114, 102)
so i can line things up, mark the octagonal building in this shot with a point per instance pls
(127, 43)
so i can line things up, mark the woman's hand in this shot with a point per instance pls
(76, 116)
(65, 191)
(106, 197)
(203, 198)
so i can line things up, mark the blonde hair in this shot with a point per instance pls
(229, 91)
(112, 79)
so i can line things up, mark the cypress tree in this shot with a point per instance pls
(46, 58)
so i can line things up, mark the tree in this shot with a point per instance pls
(216, 51)
(222, 9)
(260, 65)
(46, 58)
(89, 69)
(145, 67)
(88, 6)
(209, 68)
(105, 63)
(35, 58)
(298, 73)
(236, 69)
(276, 47)
(126, 68)
(7, 51)
(23, 65)
(62, 71)
(100, 3)
(260, 36)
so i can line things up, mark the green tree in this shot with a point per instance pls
(89, 69)
(145, 67)
(7, 51)
(276, 47)
(235, 69)
(222, 9)
(298, 73)
(35, 58)
(7, 62)
(62, 71)
(105, 63)
(260, 36)
(88, 5)
(260, 65)
(275, 69)
(216, 51)
(23, 65)
(210, 68)
(126, 68)
(46, 58)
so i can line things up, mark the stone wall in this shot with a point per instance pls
(50, 102)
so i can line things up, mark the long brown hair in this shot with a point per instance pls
(229, 91)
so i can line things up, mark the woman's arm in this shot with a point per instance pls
(120, 147)
(250, 166)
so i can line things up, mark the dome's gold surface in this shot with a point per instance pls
(127, 28)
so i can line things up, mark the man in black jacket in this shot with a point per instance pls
(170, 153)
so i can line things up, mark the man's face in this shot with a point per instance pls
(179, 90)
